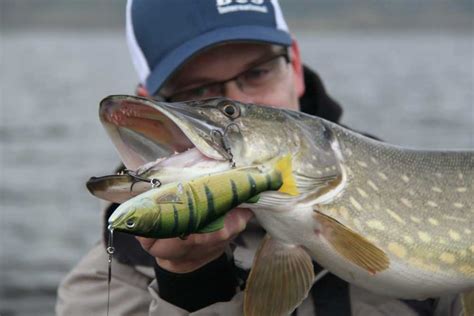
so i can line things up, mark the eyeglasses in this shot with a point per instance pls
(253, 81)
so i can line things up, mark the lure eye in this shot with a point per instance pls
(130, 223)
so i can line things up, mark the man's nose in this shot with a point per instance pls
(232, 90)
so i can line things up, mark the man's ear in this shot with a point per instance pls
(141, 91)
(297, 68)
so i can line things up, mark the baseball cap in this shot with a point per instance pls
(163, 34)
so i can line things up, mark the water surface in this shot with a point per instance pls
(413, 89)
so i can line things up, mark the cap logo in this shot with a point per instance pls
(227, 6)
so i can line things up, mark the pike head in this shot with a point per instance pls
(219, 130)
(202, 137)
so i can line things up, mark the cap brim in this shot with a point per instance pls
(175, 58)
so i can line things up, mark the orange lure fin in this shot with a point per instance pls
(284, 166)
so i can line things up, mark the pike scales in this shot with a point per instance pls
(416, 204)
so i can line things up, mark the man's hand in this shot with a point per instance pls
(182, 256)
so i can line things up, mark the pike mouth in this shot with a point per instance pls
(144, 131)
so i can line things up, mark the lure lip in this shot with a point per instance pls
(118, 188)
(143, 130)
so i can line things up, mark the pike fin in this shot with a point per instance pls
(467, 299)
(353, 246)
(308, 184)
(284, 166)
(314, 188)
(279, 281)
(271, 200)
(212, 226)
(253, 199)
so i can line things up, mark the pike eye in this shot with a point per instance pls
(130, 223)
(230, 110)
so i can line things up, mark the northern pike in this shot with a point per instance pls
(393, 220)
(199, 205)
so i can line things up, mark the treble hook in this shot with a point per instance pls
(226, 130)
(226, 144)
(218, 137)
(222, 140)
(215, 133)
(154, 182)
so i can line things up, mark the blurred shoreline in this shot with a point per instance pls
(318, 15)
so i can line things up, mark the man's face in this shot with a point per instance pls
(249, 60)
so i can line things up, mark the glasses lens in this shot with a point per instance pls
(252, 81)
(263, 76)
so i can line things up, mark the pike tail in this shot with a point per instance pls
(284, 166)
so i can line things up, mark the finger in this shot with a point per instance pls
(234, 223)
(146, 243)
(237, 219)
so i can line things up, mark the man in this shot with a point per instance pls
(185, 50)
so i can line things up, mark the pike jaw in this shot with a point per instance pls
(155, 135)
(181, 141)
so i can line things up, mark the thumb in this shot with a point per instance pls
(237, 219)
(146, 243)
